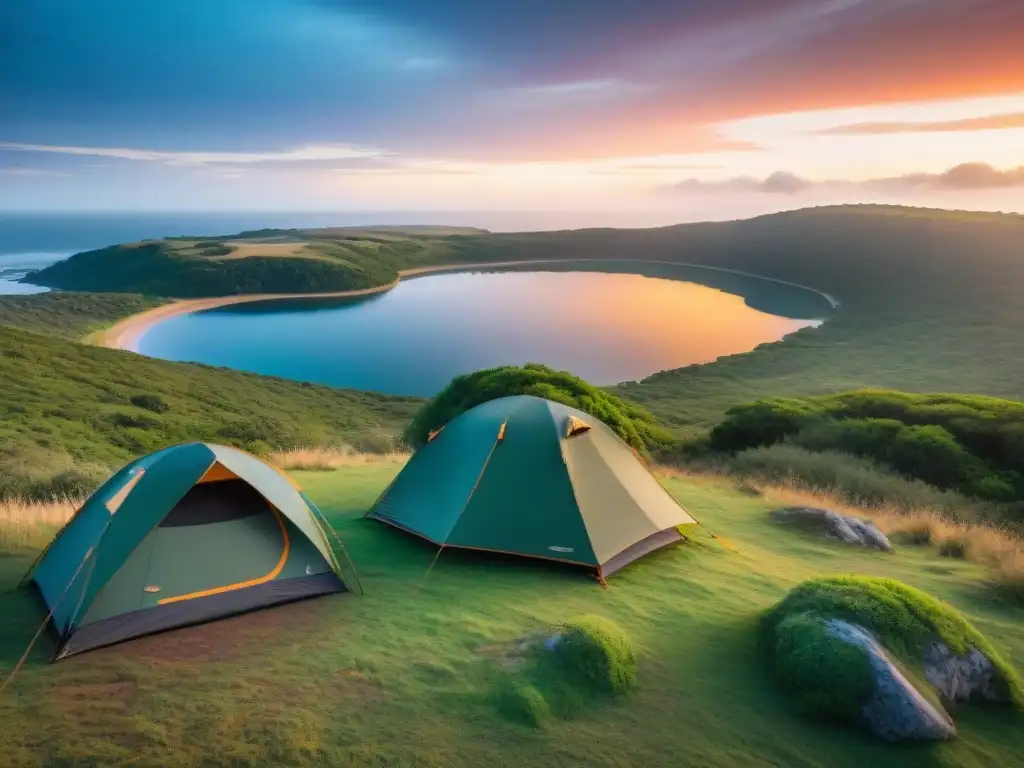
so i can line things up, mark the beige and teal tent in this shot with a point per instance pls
(186, 535)
(527, 476)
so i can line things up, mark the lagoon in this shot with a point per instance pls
(607, 322)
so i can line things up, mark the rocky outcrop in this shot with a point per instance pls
(960, 678)
(896, 710)
(849, 530)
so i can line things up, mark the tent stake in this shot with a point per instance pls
(433, 562)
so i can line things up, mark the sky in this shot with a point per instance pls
(669, 109)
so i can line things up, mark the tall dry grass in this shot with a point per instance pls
(1000, 549)
(31, 524)
(326, 458)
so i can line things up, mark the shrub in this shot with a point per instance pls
(126, 420)
(905, 619)
(855, 480)
(763, 422)
(971, 444)
(522, 703)
(630, 422)
(1010, 576)
(153, 403)
(826, 675)
(596, 654)
(953, 547)
(72, 482)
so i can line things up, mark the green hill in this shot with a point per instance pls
(408, 674)
(261, 261)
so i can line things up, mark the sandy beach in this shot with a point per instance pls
(126, 333)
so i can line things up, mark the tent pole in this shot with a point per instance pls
(341, 544)
(42, 554)
(46, 621)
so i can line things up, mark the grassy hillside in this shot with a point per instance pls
(70, 314)
(64, 404)
(408, 674)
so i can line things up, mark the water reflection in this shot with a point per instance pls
(607, 326)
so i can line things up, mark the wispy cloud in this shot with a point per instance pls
(16, 171)
(986, 123)
(967, 176)
(315, 153)
(596, 90)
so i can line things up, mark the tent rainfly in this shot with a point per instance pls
(527, 476)
(189, 534)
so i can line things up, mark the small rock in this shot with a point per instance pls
(552, 642)
(959, 678)
(850, 530)
(896, 710)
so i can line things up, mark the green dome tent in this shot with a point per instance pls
(189, 534)
(527, 476)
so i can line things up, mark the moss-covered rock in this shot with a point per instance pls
(832, 678)
(828, 676)
(596, 654)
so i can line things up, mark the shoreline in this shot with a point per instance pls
(126, 333)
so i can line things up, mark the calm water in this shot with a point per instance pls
(605, 327)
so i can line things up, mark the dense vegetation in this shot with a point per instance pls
(157, 270)
(70, 412)
(970, 444)
(70, 315)
(263, 261)
(631, 423)
(904, 619)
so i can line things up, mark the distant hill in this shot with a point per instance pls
(258, 261)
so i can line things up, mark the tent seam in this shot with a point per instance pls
(497, 441)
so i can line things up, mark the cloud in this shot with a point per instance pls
(967, 176)
(559, 94)
(976, 176)
(16, 171)
(986, 123)
(298, 155)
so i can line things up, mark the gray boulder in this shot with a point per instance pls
(850, 530)
(896, 710)
(959, 678)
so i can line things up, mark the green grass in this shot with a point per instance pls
(597, 654)
(401, 675)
